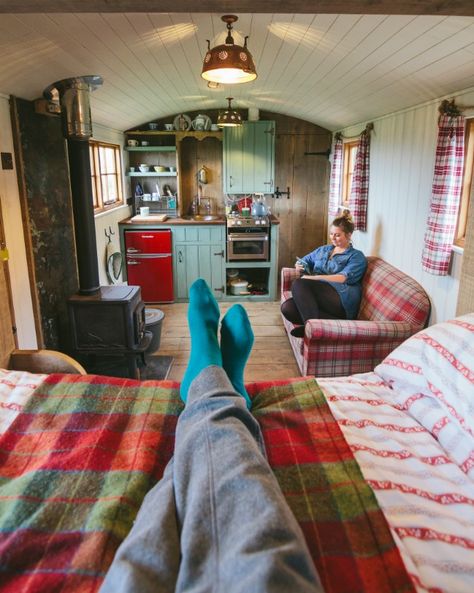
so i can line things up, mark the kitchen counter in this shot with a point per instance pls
(178, 221)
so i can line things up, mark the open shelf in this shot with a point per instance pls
(257, 277)
(151, 148)
(152, 174)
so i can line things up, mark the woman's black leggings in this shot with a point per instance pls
(312, 299)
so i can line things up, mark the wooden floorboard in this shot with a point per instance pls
(271, 357)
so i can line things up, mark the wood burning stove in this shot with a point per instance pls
(104, 320)
(111, 319)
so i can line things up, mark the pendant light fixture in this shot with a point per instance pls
(229, 117)
(228, 63)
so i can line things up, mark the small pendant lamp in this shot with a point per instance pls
(228, 63)
(229, 117)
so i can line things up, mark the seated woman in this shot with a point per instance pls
(331, 287)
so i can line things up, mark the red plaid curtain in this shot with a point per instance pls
(445, 195)
(336, 176)
(359, 195)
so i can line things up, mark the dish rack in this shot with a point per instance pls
(160, 206)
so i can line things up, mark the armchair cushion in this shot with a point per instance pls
(393, 307)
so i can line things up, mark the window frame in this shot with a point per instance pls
(467, 190)
(349, 150)
(97, 175)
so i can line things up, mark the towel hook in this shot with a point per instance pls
(109, 234)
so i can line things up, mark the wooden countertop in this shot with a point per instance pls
(178, 221)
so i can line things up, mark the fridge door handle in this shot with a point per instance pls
(152, 255)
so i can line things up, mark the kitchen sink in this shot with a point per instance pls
(201, 217)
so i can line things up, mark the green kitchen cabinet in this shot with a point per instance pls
(249, 158)
(199, 252)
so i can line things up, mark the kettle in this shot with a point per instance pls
(259, 207)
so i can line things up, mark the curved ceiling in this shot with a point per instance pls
(331, 69)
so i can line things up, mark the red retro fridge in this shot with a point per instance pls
(150, 264)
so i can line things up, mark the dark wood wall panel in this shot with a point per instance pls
(47, 213)
(303, 217)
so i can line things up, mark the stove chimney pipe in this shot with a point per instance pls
(77, 129)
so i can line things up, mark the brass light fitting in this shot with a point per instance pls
(229, 117)
(228, 63)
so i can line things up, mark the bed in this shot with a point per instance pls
(378, 468)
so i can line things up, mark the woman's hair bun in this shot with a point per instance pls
(346, 214)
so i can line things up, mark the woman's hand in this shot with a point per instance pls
(299, 268)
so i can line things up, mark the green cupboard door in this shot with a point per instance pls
(249, 158)
(264, 157)
(194, 261)
(233, 171)
(181, 288)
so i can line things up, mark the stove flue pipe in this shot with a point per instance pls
(73, 94)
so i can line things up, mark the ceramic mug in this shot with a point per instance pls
(145, 211)
(145, 143)
(147, 197)
(168, 127)
(132, 142)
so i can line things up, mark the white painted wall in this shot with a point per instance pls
(402, 159)
(17, 265)
(110, 220)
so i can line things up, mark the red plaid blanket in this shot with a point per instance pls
(77, 462)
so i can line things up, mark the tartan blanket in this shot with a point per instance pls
(76, 464)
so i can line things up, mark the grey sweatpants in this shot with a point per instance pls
(217, 521)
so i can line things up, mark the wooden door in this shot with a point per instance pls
(7, 323)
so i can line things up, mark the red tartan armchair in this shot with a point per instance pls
(393, 307)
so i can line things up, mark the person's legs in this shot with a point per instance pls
(290, 311)
(203, 319)
(236, 345)
(313, 299)
(219, 512)
(237, 531)
(148, 559)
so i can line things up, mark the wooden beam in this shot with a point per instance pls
(422, 7)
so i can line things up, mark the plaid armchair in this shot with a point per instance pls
(393, 307)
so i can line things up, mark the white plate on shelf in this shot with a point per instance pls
(182, 122)
(206, 125)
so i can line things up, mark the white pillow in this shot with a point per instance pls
(432, 377)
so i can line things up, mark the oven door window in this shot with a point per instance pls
(253, 247)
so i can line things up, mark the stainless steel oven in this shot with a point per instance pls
(248, 241)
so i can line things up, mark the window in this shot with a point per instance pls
(467, 185)
(348, 161)
(106, 174)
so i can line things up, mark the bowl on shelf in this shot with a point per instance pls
(144, 168)
(153, 125)
(161, 169)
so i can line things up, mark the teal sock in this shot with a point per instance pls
(203, 319)
(236, 345)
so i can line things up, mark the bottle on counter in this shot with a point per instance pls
(138, 190)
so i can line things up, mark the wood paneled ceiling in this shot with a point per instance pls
(330, 69)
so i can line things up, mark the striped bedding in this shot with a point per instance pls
(410, 425)
(426, 498)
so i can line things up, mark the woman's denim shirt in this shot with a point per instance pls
(352, 264)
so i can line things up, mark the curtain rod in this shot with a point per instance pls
(368, 128)
(450, 108)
